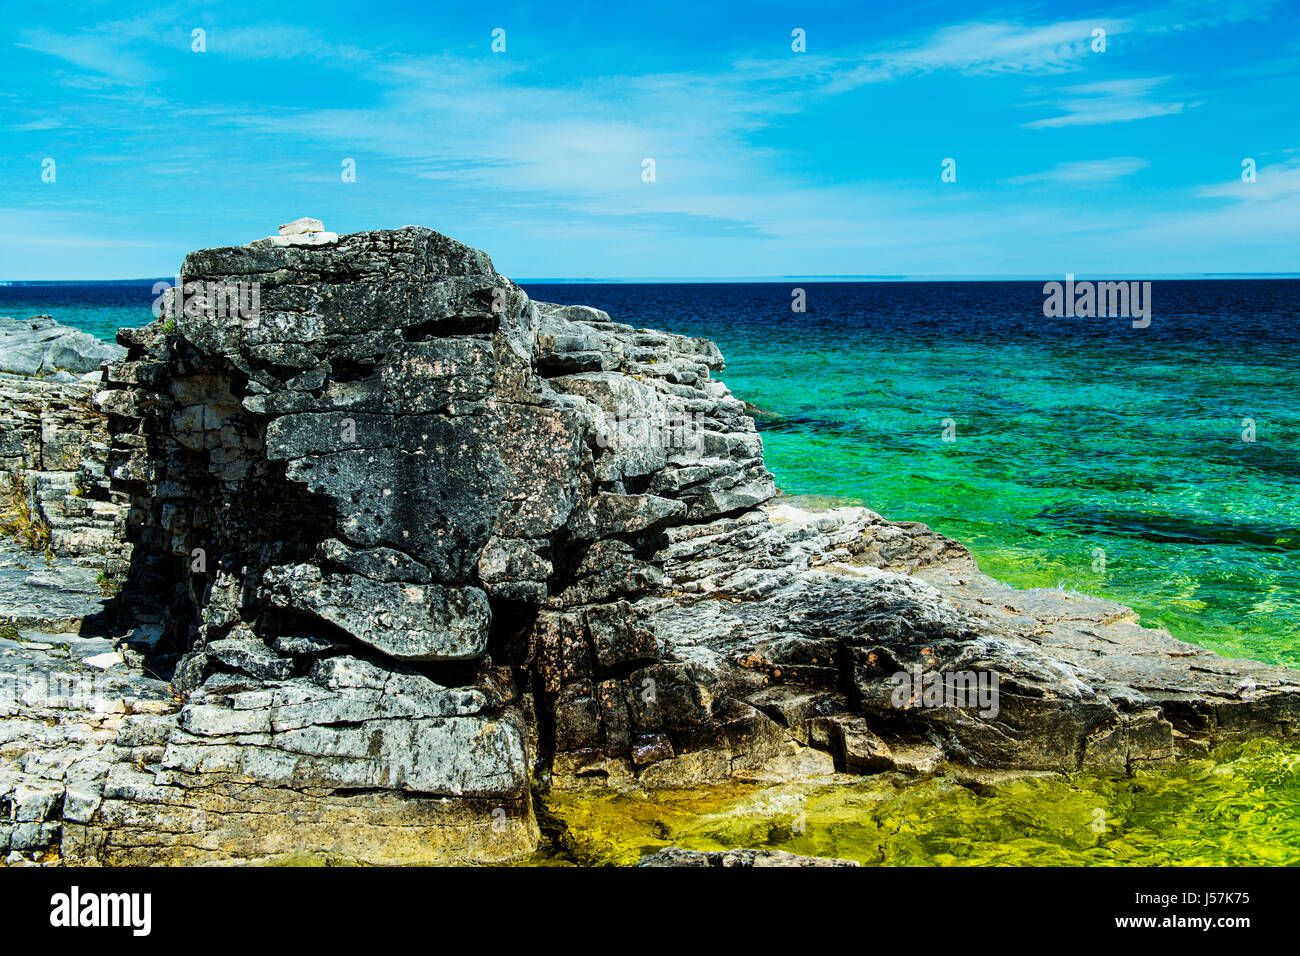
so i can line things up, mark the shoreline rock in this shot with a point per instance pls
(40, 347)
(406, 544)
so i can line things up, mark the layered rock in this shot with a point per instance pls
(413, 543)
(74, 718)
(53, 443)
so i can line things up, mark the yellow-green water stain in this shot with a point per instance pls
(1241, 807)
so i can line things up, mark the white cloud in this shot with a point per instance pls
(1084, 172)
(1272, 182)
(1113, 101)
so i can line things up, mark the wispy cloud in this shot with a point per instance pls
(37, 125)
(974, 49)
(1272, 182)
(284, 41)
(1257, 229)
(1084, 172)
(1111, 101)
(989, 48)
(110, 52)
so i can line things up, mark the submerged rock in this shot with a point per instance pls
(412, 542)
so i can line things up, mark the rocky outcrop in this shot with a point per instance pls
(409, 544)
(74, 717)
(41, 348)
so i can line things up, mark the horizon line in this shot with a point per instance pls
(721, 280)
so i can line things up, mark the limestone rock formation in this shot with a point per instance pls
(39, 346)
(53, 445)
(409, 544)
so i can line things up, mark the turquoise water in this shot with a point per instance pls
(100, 308)
(1060, 465)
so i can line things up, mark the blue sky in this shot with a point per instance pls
(768, 162)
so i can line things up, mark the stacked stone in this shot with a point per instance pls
(53, 443)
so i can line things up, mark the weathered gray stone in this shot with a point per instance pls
(250, 656)
(409, 622)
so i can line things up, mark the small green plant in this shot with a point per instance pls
(169, 326)
(18, 522)
(108, 586)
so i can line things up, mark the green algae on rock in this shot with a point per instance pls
(1238, 808)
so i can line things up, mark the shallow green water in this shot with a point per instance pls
(1131, 483)
(1240, 809)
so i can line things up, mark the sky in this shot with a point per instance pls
(123, 145)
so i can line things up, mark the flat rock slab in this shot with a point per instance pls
(408, 622)
(52, 595)
(68, 672)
